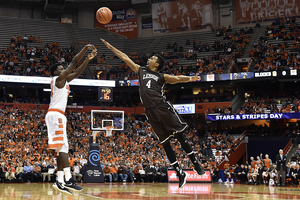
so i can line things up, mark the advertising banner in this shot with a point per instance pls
(47, 80)
(181, 15)
(212, 117)
(249, 11)
(185, 108)
(189, 188)
(124, 22)
(93, 171)
(192, 176)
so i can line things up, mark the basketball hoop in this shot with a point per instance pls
(108, 131)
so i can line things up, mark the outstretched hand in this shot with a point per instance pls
(106, 43)
(92, 54)
(90, 46)
(195, 78)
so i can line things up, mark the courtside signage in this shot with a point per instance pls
(212, 117)
(47, 80)
(185, 108)
(192, 176)
(191, 188)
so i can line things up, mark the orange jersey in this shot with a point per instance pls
(267, 163)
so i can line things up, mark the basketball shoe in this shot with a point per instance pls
(60, 187)
(182, 179)
(72, 185)
(197, 168)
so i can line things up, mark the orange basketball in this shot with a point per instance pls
(104, 15)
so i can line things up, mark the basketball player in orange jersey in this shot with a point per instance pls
(164, 119)
(56, 120)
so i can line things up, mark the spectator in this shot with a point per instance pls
(289, 172)
(107, 172)
(122, 173)
(10, 176)
(76, 172)
(28, 174)
(45, 172)
(114, 172)
(19, 172)
(129, 172)
(36, 170)
(296, 174)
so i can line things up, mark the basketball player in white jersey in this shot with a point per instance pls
(56, 120)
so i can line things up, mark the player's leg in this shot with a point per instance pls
(56, 130)
(188, 149)
(174, 163)
(60, 184)
(64, 159)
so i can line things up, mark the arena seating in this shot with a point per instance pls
(58, 32)
(277, 48)
(48, 31)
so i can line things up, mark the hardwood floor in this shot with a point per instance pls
(148, 191)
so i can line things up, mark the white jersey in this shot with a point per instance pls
(59, 96)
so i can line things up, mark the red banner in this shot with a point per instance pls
(192, 176)
(124, 22)
(249, 11)
(189, 189)
(181, 15)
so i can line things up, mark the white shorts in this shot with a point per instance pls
(57, 131)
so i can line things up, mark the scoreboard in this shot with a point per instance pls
(105, 94)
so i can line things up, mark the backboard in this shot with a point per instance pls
(102, 119)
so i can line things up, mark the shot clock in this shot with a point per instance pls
(105, 94)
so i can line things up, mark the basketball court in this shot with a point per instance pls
(150, 191)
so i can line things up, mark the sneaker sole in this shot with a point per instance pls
(199, 174)
(70, 188)
(184, 180)
(62, 191)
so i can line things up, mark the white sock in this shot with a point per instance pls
(60, 176)
(67, 173)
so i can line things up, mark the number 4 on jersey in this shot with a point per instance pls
(148, 84)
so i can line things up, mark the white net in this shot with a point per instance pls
(108, 131)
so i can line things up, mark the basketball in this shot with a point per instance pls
(104, 15)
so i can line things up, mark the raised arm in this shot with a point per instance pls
(80, 69)
(122, 56)
(60, 81)
(180, 79)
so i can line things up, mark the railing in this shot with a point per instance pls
(240, 139)
(288, 147)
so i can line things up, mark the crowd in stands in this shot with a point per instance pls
(270, 104)
(23, 58)
(132, 155)
(221, 110)
(24, 155)
(262, 171)
(20, 58)
(224, 52)
(273, 57)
